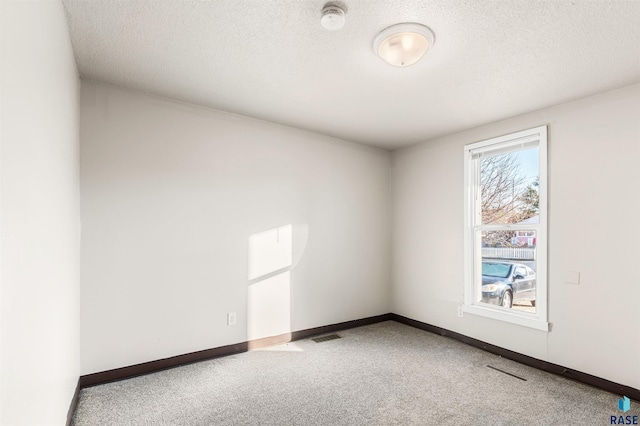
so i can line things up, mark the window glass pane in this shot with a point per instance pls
(509, 187)
(508, 270)
(505, 213)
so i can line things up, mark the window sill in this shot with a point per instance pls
(507, 316)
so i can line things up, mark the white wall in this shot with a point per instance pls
(40, 215)
(171, 194)
(594, 153)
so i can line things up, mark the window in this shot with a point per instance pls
(506, 228)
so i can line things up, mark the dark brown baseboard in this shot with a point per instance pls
(578, 376)
(74, 404)
(176, 361)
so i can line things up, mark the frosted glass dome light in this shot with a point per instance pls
(402, 45)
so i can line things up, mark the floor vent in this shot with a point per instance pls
(326, 338)
(506, 372)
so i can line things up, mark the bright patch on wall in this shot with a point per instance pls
(269, 292)
(270, 251)
(269, 307)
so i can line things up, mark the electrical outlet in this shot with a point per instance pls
(231, 318)
(460, 311)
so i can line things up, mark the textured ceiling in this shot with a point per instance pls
(272, 60)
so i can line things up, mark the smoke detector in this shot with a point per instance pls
(332, 17)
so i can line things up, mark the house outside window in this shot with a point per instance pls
(505, 228)
(526, 238)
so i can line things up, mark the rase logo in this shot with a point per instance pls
(624, 405)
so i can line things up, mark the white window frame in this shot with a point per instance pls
(473, 226)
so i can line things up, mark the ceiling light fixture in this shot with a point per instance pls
(402, 45)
